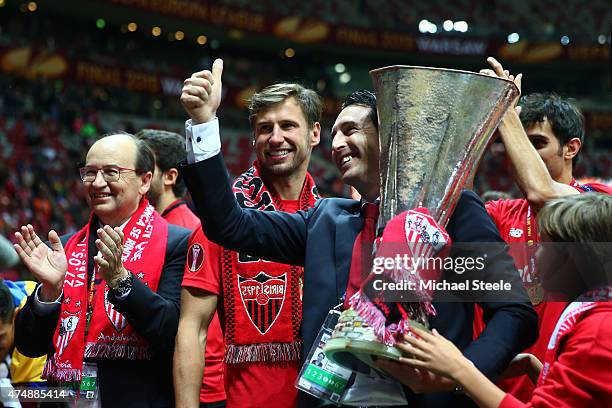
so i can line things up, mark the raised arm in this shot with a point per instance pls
(36, 321)
(531, 173)
(270, 235)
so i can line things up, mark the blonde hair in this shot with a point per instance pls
(584, 219)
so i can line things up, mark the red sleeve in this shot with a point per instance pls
(581, 377)
(496, 209)
(202, 269)
(510, 401)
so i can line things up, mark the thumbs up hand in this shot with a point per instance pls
(201, 94)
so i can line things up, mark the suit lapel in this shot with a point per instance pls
(346, 232)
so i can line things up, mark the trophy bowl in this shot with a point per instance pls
(434, 126)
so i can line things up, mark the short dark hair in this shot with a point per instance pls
(7, 304)
(564, 116)
(365, 98)
(309, 101)
(145, 159)
(169, 150)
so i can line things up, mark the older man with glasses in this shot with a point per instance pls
(106, 310)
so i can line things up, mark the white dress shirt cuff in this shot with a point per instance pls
(202, 140)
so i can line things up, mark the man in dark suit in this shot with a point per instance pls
(322, 240)
(106, 310)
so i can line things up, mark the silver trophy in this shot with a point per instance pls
(434, 126)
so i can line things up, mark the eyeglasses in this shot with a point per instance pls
(109, 173)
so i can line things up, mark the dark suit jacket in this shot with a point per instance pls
(322, 240)
(154, 315)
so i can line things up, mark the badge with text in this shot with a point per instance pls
(89, 381)
(319, 376)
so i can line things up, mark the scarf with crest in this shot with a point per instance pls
(109, 334)
(262, 299)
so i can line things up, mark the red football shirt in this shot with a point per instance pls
(213, 386)
(518, 227)
(178, 213)
(580, 376)
(257, 384)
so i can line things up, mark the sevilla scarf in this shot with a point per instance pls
(109, 334)
(263, 305)
(574, 312)
(417, 235)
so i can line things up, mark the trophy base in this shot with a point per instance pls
(358, 355)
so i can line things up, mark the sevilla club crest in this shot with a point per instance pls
(67, 328)
(116, 318)
(263, 297)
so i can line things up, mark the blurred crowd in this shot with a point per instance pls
(46, 125)
(538, 19)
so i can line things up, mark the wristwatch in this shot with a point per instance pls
(124, 285)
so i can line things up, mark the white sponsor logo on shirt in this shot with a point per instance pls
(516, 232)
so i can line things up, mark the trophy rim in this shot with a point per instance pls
(457, 71)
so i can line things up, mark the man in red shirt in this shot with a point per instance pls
(168, 190)
(574, 261)
(542, 144)
(167, 194)
(259, 302)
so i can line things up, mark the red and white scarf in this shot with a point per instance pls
(262, 299)
(413, 233)
(572, 314)
(109, 335)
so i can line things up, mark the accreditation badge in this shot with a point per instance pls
(89, 381)
(331, 382)
(319, 376)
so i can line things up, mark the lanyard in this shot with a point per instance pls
(530, 229)
(535, 290)
(531, 238)
(91, 293)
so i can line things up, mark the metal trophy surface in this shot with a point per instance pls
(434, 125)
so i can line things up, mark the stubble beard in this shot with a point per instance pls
(284, 169)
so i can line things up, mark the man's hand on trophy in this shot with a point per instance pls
(524, 364)
(420, 381)
(499, 71)
(201, 94)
